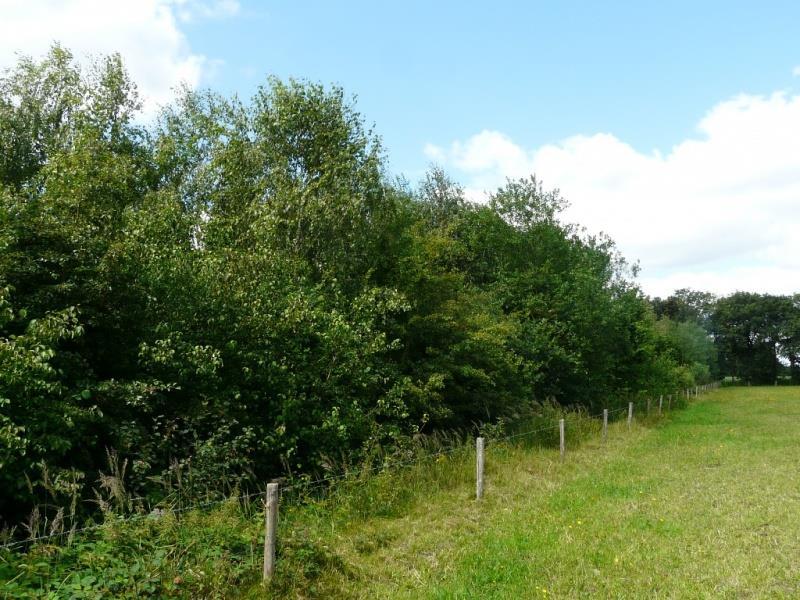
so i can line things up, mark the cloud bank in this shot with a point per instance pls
(719, 212)
(147, 33)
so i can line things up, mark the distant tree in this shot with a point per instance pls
(791, 338)
(755, 333)
(686, 305)
(690, 345)
(237, 291)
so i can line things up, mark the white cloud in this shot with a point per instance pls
(145, 32)
(782, 280)
(435, 153)
(796, 71)
(719, 212)
(189, 10)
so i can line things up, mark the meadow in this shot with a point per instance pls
(698, 502)
(234, 292)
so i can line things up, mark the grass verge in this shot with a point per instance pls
(699, 506)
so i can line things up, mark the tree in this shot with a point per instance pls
(686, 305)
(689, 344)
(754, 333)
(238, 292)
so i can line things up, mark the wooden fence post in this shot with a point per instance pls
(479, 468)
(271, 530)
(563, 442)
(630, 414)
(669, 402)
(660, 404)
(605, 424)
(648, 406)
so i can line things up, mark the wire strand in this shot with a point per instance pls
(304, 485)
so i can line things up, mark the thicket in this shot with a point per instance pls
(239, 290)
(758, 336)
(744, 337)
(327, 536)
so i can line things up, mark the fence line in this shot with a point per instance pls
(275, 488)
(480, 458)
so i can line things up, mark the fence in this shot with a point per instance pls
(274, 490)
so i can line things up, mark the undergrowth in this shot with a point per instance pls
(217, 552)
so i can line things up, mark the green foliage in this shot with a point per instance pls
(196, 555)
(217, 552)
(686, 305)
(690, 345)
(238, 292)
(757, 336)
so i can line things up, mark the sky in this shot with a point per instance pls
(673, 127)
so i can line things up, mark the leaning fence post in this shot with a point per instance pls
(271, 530)
(605, 424)
(630, 414)
(563, 442)
(660, 404)
(479, 468)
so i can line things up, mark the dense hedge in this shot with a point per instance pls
(239, 290)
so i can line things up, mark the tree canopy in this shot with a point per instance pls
(239, 291)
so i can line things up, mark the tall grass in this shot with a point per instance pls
(216, 552)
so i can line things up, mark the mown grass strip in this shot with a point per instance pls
(703, 506)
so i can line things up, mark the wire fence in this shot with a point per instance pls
(328, 481)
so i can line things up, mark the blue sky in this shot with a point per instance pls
(674, 127)
(437, 71)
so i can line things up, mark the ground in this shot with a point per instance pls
(702, 504)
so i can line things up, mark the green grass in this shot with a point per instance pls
(703, 505)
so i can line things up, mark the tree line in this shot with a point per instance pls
(240, 289)
(756, 336)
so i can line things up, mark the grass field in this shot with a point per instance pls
(700, 503)
(704, 504)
